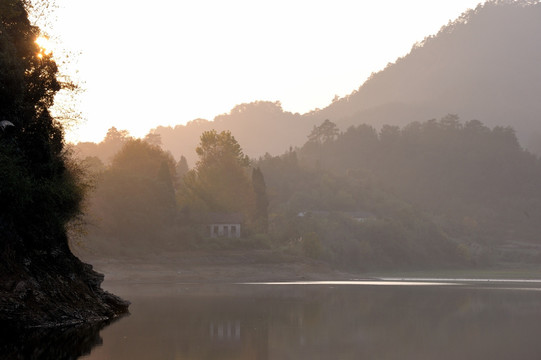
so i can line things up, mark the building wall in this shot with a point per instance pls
(225, 230)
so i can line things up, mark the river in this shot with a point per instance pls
(385, 319)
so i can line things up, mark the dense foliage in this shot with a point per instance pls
(348, 220)
(40, 192)
(134, 200)
(42, 283)
(219, 182)
(474, 180)
(107, 148)
(438, 192)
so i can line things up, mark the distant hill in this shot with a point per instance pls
(485, 65)
(259, 127)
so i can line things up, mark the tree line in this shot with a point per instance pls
(144, 200)
(436, 192)
(473, 178)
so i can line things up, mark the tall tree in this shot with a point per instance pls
(215, 147)
(260, 216)
(112, 143)
(32, 156)
(153, 139)
(219, 181)
(182, 167)
(135, 197)
(323, 133)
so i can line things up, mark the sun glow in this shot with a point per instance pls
(229, 52)
(45, 46)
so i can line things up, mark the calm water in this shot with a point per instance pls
(315, 321)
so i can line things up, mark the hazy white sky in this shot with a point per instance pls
(166, 62)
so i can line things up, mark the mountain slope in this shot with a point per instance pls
(259, 126)
(484, 65)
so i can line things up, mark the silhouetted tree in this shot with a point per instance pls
(40, 189)
(219, 181)
(135, 198)
(260, 216)
(182, 167)
(167, 193)
(153, 139)
(93, 165)
(112, 143)
(215, 147)
(327, 131)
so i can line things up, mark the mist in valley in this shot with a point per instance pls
(431, 163)
(400, 221)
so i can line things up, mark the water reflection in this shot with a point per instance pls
(325, 322)
(49, 343)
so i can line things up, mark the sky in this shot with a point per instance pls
(165, 62)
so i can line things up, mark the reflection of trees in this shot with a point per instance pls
(333, 323)
(50, 344)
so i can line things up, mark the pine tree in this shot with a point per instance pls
(260, 217)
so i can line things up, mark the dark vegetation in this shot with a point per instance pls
(41, 282)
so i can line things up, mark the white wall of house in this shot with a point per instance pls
(225, 230)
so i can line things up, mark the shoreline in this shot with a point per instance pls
(264, 266)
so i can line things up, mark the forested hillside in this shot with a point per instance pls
(474, 180)
(434, 193)
(484, 66)
(450, 190)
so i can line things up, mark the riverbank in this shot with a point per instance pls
(267, 265)
(214, 267)
(42, 290)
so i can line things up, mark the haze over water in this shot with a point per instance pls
(326, 321)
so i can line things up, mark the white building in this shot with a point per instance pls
(224, 225)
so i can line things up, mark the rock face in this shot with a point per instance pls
(51, 288)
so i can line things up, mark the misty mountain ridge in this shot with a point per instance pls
(450, 191)
(483, 66)
(260, 126)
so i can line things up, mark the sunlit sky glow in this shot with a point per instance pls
(167, 62)
(44, 45)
